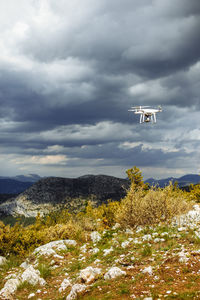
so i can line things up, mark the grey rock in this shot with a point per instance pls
(9, 288)
(32, 276)
(3, 260)
(89, 274)
(113, 273)
(50, 248)
(76, 290)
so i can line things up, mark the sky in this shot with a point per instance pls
(71, 69)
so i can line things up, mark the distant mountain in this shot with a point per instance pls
(182, 181)
(23, 178)
(11, 186)
(16, 184)
(51, 192)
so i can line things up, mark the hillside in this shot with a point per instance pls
(48, 193)
(145, 246)
(157, 262)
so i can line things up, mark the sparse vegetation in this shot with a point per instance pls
(195, 192)
(150, 240)
(141, 206)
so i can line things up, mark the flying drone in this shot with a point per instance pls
(147, 114)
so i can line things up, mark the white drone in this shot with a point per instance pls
(147, 114)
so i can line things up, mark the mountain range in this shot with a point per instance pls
(29, 198)
(18, 184)
(23, 178)
(182, 181)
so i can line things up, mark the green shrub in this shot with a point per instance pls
(45, 270)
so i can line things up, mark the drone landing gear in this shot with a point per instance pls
(147, 118)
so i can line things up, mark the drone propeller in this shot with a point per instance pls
(139, 107)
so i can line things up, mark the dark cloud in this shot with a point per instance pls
(69, 72)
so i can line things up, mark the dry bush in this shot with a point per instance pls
(195, 192)
(71, 230)
(142, 207)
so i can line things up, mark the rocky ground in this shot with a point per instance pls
(158, 262)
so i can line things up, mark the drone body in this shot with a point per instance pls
(147, 114)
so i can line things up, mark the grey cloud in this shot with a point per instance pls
(66, 72)
(126, 38)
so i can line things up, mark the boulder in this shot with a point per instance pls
(3, 260)
(113, 273)
(9, 288)
(76, 290)
(50, 248)
(89, 274)
(32, 276)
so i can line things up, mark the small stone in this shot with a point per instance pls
(83, 249)
(157, 240)
(116, 226)
(164, 234)
(132, 258)
(107, 251)
(136, 241)
(64, 285)
(52, 262)
(97, 261)
(181, 229)
(147, 237)
(95, 237)
(148, 270)
(139, 229)
(31, 296)
(129, 231)
(58, 256)
(24, 265)
(125, 244)
(3, 260)
(95, 250)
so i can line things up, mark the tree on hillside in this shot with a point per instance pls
(135, 176)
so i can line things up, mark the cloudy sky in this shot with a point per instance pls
(71, 69)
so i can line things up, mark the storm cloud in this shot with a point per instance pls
(69, 72)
